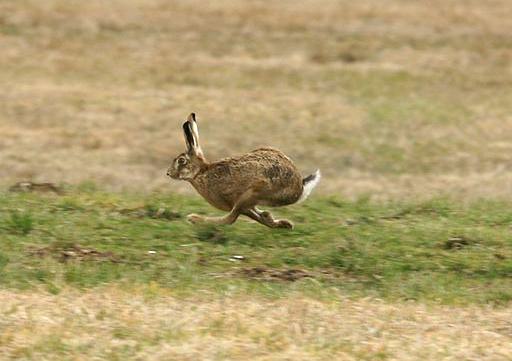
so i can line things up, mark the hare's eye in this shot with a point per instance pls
(182, 161)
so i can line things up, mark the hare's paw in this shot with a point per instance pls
(195, 218)
(267, 216)
(284, 223)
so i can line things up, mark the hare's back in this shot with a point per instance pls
(269, 171)
(264, 162)
(279, 179)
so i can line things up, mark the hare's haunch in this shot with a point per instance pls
(265, 177)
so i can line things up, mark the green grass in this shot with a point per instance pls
(438, 250)
(21, 223)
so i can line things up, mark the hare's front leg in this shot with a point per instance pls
(200, 219)
(265, 217)
(227, 219)
(247, 200)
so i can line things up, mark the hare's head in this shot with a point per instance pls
(188, 164)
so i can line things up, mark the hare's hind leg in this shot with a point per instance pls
(265, 220)
(265, 217)
(247, 200)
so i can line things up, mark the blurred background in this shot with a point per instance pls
(388, 99)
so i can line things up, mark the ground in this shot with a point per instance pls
(90, 274)
(403, 252)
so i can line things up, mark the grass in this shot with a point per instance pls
(150, 323)
(354, 280)
(439, 250)
(21, 223)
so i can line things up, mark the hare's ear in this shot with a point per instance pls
(191, 117)
(189, 138)
(193, 125)
(192, 135)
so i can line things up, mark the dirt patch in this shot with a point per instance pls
(36, 187)
(456, 243)
(269, 274)
(262, 273)
(73, 252)
(151, 212)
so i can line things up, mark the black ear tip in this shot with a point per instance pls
(192, 116)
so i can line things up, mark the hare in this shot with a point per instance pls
(263, 177)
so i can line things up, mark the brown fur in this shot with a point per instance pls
(268, 171)
(265, 176)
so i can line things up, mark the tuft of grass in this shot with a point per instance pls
(153, 211)
(212, 234)
(20, 222)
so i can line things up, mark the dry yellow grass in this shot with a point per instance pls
(110, 324)
(393, 98)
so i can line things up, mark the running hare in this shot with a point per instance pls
(264, 177)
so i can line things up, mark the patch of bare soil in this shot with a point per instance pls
(288, 275)
(73, 252)
(36, 187)
(457, 243)
(151, 212)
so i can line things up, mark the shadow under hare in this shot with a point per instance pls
(263, 177)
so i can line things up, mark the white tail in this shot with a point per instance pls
(309, 183)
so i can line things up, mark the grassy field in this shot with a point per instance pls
(353, 280)
(403, 252)
(434, 251)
